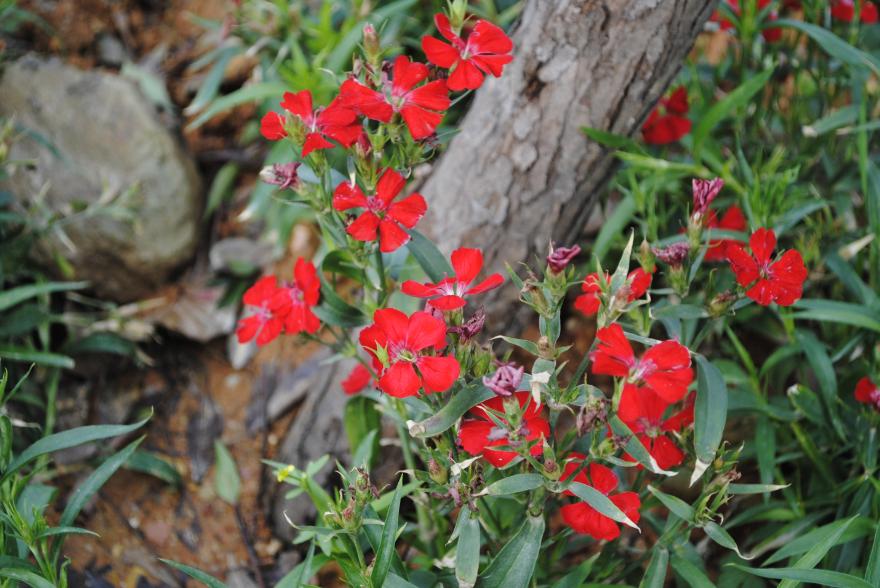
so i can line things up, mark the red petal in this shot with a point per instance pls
(315, 141)
(467, 264)
(407, 74)
(448, 302)
(420, 122)
(743, 265)
(371, 338)
(601, 478)
(431, 96)
(269, 331)
(357, 380)
(493, 64)
(864, 389)
(347, 196)
(487, 38)
(248, 327)
(389, 186)
(666, 453)
(639, 281)
(584, 519)
(629, 503)
(669, 355)
(762, 242)
(393, 323)
(733, 219)
(400, 380)
(365, 101)
(413, 288)
(677, 103)
(439, 53)
(787, 278)
(306, 277)
(465, 76)
(473, 435)
(424, 330)
(272, 126)
(445, 29)
(489, 283)
(364, 227)
(391, 236)
(299, 104)
(588, 304)
(614, 355)
(438, 373)
(408, 211)
(262, 291)
(637, 404)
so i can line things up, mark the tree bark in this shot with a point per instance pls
(521, 171)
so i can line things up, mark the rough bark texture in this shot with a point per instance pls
(521, 172)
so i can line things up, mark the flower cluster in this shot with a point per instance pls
(668, 122)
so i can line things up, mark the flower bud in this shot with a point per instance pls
(560, 257)
(372, 47)
(674, 255)
(646, 257)
(704, 192)
(721, 303)
(471, 327)
(283, 175)
(545, 350)
(505, 380)
(437, 472)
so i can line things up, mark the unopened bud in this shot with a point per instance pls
(646, 257)
(505, 380)
(471, 327)
(372, 47)
(560, 257)
(704, 192)
(283, 175)
(674, 255)
(437, 472)
(721, 303)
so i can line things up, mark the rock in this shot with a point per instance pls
(111, 51)
(132, 197)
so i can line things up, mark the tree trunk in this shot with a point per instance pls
(521, 171)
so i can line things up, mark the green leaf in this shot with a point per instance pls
(832, 44)
(221, 188)
(389, 537)
(635, 447)
(147, 462)
(754, 488)
(58, 531)
(227, 482)
(335, 311)
(827, 539)
(618, 278)
(841, 117)
(94, 482)
(851, 530)
(338, 59)
(429, 257)
(461, 402)
(27, 576)
(691, 574)
(39, 357)
(610, 140)
(360, 419)
(676, 505)
(838, 312)
(527, 346)
(727, 106)
(601, 503)
(211, 83)
(576, 577)
(824, 369)
(818, 577)
(10, 298)
(655, 575)
(302, 572)
(66, 439)
(514, 484)
(514, 565)
(873, 573)
(722, 538)
(250, 93)
(710, 414)
(467, 550)
(195, 574)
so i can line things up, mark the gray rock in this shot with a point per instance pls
(129, 196)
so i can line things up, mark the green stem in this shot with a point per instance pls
(424, 519)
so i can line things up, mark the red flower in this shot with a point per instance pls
(845, 11)
(264, 324)
(867, 392)
(637, 283)
(449, 293)
(272, 126)
(381, 214)
(642, 411)
(479, 435)
(781, 281)
(335, 121)
(487, 50)
(421, 108)
(582, 517)
(294, 300)
(398, 344)
(668, 122)
(665, 368)
(357, 380)
(732, 220)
